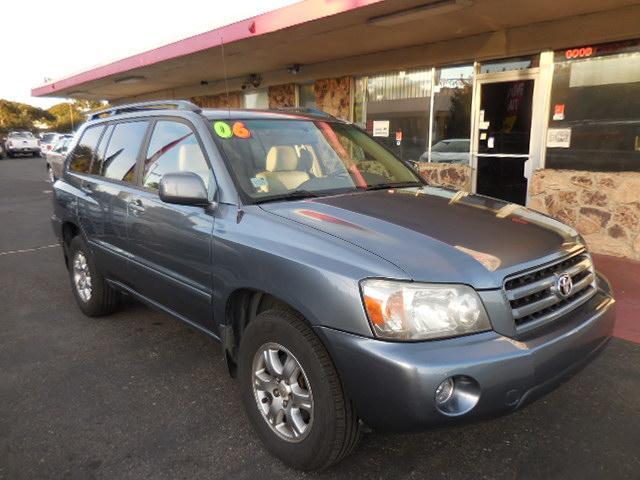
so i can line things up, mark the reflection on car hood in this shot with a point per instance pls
(438, 235)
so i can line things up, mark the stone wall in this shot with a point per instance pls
(447, 175)
(219, 101)
(604, 207)
(282, 96)
(333, 95)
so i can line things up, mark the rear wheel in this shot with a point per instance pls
(93, 294)
(50, 174)
(292, 393)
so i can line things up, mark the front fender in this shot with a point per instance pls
(314, 272)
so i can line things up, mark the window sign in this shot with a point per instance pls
(381, 128)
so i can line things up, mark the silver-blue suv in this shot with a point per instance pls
(343, 289)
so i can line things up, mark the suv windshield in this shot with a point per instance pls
(274, 159)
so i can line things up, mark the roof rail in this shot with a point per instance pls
(313, 111)
(138, 107)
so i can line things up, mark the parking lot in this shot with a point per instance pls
(140, 395)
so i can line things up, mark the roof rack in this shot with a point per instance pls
(138, 107)
(312, 111)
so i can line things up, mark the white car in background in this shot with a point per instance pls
(47, 142)
(21, 142)
(55, 157)
(450, 150)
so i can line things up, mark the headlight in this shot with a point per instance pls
(420, 311)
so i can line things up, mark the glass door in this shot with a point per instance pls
(502, 146)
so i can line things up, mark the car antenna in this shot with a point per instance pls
(224, 71)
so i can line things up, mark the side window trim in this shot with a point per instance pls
(139, 175)
(147, 142)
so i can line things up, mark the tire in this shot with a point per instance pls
(102, 298)
(332, 429)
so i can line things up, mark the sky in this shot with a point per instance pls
(53, 39)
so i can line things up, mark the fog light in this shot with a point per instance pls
(444, 391)
(457, 395)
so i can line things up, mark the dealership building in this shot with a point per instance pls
(534, 102)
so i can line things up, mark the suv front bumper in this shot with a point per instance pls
(393, 384)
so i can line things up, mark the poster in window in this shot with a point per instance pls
(559, 138)
(381, 128)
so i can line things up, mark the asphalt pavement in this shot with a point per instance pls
(139, 395)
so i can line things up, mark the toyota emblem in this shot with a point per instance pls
(564, 285)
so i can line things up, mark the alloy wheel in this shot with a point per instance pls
(82, 276)
(282, 392)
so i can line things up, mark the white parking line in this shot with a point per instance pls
(11, 252)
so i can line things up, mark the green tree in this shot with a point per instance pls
(20, 116)
(68, 116)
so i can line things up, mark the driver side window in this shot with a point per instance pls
(173, 148)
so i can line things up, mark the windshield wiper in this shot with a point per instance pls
(293, 195)
(383, 186)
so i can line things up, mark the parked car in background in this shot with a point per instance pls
(342, 287)
(47, 142)
(451, 150)
(55, 157)
(21, 143)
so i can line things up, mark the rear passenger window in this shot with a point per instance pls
(85, 151)
(120, 160)
(98, 160)
(173, 148)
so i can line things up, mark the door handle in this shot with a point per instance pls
(87, 188)
(136, 206)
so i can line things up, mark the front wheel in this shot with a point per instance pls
(292, 393)
(93, 294)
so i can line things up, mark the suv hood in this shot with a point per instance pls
(438, 235)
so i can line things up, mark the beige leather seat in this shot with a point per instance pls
(190, 159)
(282, 170)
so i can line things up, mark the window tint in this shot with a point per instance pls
(120, 160)
(173, 148)
(85, 150)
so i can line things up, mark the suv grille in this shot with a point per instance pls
(532, 294)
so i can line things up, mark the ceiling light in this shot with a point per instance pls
(131, 79)
(418, 13)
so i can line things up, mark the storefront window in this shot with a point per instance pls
(451, 125)
(397, 111)
(307, 96)
(256, 99)
(594, 119)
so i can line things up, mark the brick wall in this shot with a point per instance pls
(447, 175)
(218, 101)
(333, 95)
(282, 96)
(603, 207)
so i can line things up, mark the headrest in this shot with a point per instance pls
(189, 154)
(282, 158)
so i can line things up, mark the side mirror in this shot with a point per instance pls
(183, 188)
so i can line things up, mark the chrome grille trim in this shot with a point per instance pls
(531, 293)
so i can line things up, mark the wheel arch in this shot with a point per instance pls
(69, 231)
(243, 305)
